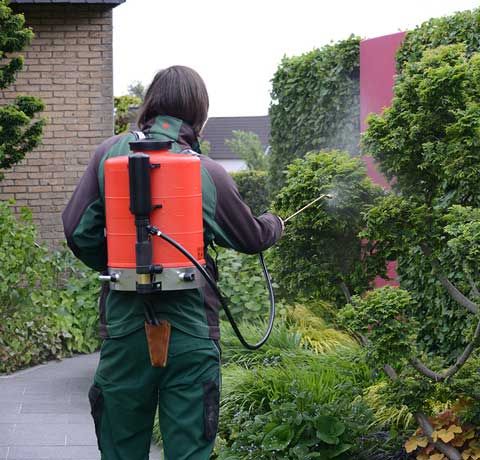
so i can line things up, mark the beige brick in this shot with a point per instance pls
(51, 195)
(42, 41)
(87, 41)
(37, 175)
(79, 34)
(40, 188)
(49, 34)
(89, 27)
(17, 176)
(65, 67)
(73, 180)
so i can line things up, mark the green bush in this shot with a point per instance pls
(315, 104)
(321, 254)
(253, 188)
(381, 316)
(428, 141)
(48, 300)
(381, 319)
(78, 309)
(27, 339)
(461, 27)
(297, 408)
(24, 266)
(300, 429)
(294, 383)
(241, 280)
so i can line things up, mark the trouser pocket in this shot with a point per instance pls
(211, 398)
(95, 397)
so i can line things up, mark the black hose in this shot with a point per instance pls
(223, 301)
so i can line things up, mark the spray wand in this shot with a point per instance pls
(325, 195)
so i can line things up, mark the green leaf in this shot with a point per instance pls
(278, 438)
(329, 429)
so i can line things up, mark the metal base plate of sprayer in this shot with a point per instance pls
(170, 279)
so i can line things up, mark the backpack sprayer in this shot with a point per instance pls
(154, 192)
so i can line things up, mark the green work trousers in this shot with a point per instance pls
(127, 391)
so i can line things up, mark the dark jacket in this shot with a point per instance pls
(228, 221)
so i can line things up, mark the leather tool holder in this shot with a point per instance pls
(158, 338)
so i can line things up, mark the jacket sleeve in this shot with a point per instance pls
(84, 216)
(234, 225)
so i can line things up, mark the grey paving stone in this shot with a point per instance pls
(60, 453)
(8, 391)
(80, 397)
(80, 403)
(80, 435)
(47, 397)
(39, 435)
(34, 418)
(9, 408)
(51, 408)
(75, 419)
(47, 388)
(79, 384)
(7, 435)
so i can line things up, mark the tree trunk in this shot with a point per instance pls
(345, 290)
(454, 292)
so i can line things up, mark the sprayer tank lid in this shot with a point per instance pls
(149, 145)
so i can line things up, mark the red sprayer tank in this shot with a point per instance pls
(176, 193)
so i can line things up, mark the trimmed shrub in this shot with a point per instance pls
(427, 140)
(321, 254)
(461, 27)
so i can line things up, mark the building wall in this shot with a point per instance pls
(377, 78)
(69, 66)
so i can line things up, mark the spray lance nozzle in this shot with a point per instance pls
(328, 196)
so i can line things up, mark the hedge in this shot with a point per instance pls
(315, 104)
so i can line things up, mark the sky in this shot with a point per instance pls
(236, 46)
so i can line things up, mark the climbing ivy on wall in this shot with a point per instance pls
(315, 104)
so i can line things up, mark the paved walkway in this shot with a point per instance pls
(45, 414)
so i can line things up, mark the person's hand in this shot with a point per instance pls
(283, 224)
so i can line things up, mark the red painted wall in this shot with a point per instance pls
(377, 75)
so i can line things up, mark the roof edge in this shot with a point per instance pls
(112, 3)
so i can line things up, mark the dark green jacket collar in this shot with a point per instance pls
(170, 128)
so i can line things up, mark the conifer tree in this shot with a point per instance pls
(20, 129)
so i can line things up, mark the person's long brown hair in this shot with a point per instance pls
(179, 92)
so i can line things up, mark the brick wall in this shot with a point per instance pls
(69, 66)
